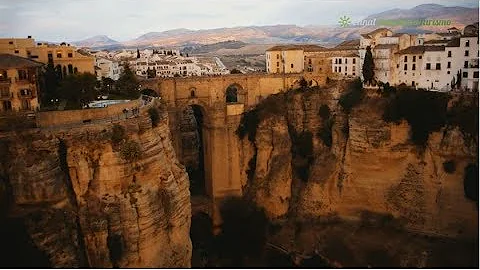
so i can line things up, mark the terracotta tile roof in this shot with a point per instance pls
(305, 47)
(421, 49)
(454, 43)
(12, 61)
(413, 50)
(436, 42)
(385, 46)
(354, 44)
(434, 48)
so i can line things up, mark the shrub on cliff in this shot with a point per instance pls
(130, 151)
(464, 114)
(352, 96)
(325, 132)
(154, 116)
(425, 112)
(118, 134)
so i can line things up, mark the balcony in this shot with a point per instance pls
(26, 95)
(473, 63)
(5, 80)
(5, 95)
(24, 81)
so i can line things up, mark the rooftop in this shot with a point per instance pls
(305, 47)
(12, 61)
(385, 46)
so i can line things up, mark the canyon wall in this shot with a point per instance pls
(371, 166)
(109, 195)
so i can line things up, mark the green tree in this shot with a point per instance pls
(459, 78)
(235, 71)
(78, 89)
(127, 84)
(49, 84)
(107, 85)
(368, 66)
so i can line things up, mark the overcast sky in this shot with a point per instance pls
(70, 20)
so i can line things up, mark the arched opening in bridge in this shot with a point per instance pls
(233, 94)
(193, 148)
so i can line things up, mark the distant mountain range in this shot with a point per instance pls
(277, 34)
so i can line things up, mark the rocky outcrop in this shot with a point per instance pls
(89, 202)
(371, 166)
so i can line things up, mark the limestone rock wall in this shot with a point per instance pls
(85, 204)
(371, 166)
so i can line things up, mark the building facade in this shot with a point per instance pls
(107, 69)
(64, 57)
(18, 84)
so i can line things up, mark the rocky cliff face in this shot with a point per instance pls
(89, 201)
(370, 169)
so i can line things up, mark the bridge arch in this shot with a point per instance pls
(235, 93)
(199, 173)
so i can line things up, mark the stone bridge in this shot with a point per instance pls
(222, 100)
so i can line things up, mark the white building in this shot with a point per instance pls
(107, 69)
(461, 55)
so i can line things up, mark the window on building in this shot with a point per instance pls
(340, 61)
(448, 72)
(466, 53)
(10, 42)
(16, 51)
(291, 65)
(346, 61)
(405, 67)
(465, 64)
(467, 43)
(475, 74)
(405, 58)
(398, 65)
(278, 56)
(346, 69)
(428, 66)
(340, 69)
(465, 74)
(70, 55)
(353, 73)
(336, 60)
(414, 58)
(437, 66)
(59, 55)
(354, 60)
(22, 74)
(413, 67)
(309, 61)
(278, 64)
(449, 54)
(420, 57)
(449, 64)
(336, 69)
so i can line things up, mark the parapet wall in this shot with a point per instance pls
(56, 118)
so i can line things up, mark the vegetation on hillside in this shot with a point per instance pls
(425, 112)
(352, 96)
